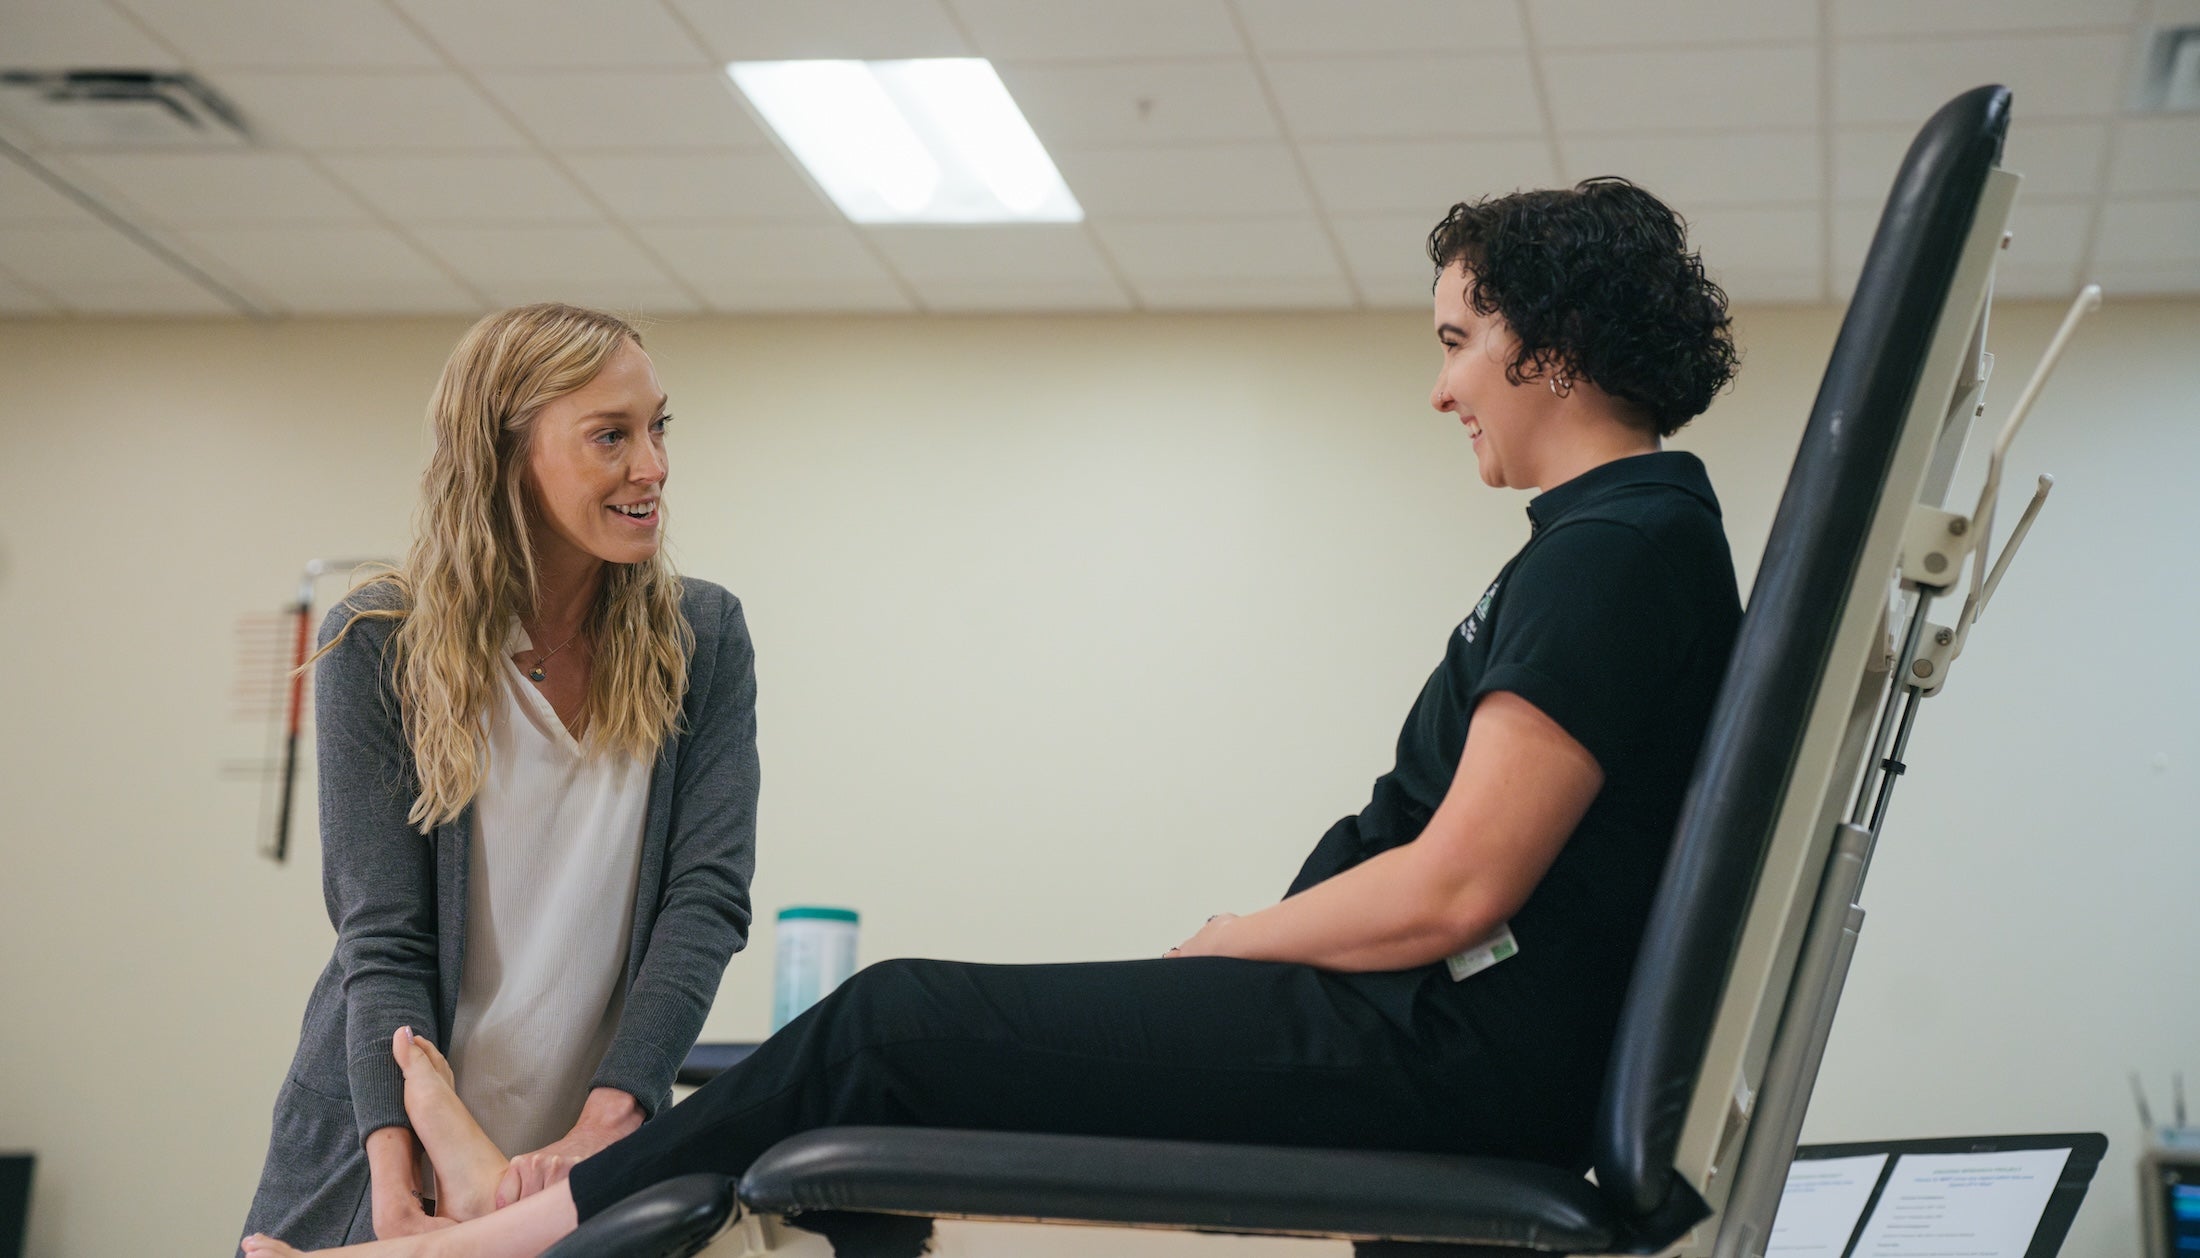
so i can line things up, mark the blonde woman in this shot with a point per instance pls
(538, 794)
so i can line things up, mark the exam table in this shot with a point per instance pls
(1755, 919)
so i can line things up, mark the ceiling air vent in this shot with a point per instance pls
(2170, 83)
(101, 109)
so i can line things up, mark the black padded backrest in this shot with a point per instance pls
(1781, 656)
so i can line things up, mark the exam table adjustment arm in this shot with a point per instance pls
(1937, 543)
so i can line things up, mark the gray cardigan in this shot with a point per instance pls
(398, 902)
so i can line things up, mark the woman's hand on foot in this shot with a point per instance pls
(258, 1246)
(609, 1116)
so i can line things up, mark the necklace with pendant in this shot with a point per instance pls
(536, 674)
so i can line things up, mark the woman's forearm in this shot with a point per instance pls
(1390, 912)
(611, 1111)
(1522, 786)
(393, 1168)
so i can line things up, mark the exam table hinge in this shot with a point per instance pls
(1934, 546)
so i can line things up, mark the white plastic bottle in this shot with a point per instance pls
(817, 952)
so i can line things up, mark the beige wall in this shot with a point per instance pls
(1070, 632)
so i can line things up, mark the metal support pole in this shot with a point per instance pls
(1798, 1047)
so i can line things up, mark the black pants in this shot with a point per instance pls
(1189, 1048)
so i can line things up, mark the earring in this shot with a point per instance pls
(1561, 385)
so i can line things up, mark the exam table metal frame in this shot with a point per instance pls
(1755, 920)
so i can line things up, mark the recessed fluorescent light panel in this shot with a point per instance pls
(931, 141)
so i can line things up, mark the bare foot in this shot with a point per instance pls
(467, 1163)
(258, 1246)
(526, 1227)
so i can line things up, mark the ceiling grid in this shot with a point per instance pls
(448, 156)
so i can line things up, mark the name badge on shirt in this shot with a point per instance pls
(1483, 955)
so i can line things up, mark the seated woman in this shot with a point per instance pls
(1447, 970)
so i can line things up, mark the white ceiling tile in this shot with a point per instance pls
(949, 296)
(865, 30)
(2147, 232)
(324, 270)
(1387, 250)
(2154, 155)
(773, 253)
(2051, 234)
(1275, 293)
(1906, 80)
(1746, 167)
(166, 298)
(17, 301)
(2057, 159)
(284, 34)
(807, 297)
(1203, 180)
(1422, 176)
(668, 187)
(1003, 255)
(2173, 279)
(1143, 103)
(1368, 97)
(629, 109)
(417, 111)
(1964, 17)
(1865, 160)
(1853, 228)
(516, 264)
(551, 34)
(1773, 286)
(1075, 30)
(72, 34)
(1602, 24)
(57, 257)
(1152, 253)
(1759, 241)
(465, 188)
(1683, 90)
(636, 298)
(25, 198)
(1390, 291)
(1286, 27)
(210, 188)
(2022, 280)
(751, 267)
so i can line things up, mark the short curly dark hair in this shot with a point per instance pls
(1599, 284)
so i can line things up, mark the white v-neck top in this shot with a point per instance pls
(553, 867)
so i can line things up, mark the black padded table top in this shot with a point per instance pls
(1182, 1184)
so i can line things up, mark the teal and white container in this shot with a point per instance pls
(817, 952)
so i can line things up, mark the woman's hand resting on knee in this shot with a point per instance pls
(609, 1116)
(1208, 942)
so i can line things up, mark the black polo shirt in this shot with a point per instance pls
(1615, 620)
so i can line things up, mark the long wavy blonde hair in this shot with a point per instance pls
(472, 566)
